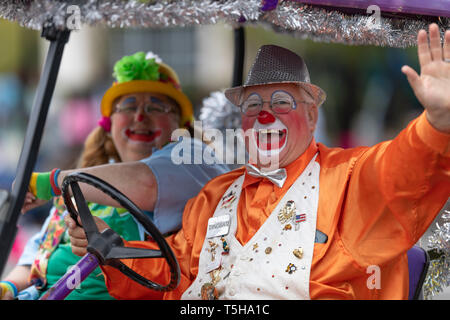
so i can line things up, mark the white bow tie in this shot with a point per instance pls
(277, 177)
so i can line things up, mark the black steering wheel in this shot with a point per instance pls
(108, 246)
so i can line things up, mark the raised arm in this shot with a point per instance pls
(134, 179)
(398, 187)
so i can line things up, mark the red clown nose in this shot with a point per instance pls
(265, 117)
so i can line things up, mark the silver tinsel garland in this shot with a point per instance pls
(302, 21)
(219, 113)
(438, 275)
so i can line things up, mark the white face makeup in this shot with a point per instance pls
(267, 141)
(271, 138)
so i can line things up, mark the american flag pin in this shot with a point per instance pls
(228, 199)
(299, 218)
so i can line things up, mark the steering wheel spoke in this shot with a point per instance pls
(133, 253)
(83, 210)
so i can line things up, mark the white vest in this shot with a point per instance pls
(275, 263)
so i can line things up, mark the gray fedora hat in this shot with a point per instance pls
(273, 65)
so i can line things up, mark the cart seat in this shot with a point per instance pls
(418, 262)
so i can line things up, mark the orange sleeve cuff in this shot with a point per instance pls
(435, 139)
(122, 287)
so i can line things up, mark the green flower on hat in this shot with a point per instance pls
(136, 67)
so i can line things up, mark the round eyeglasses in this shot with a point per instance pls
(280, 102)
(152, 106)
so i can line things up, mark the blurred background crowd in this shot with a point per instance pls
(369, 99)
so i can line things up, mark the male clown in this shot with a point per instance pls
(320, 225)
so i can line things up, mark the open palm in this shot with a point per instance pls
(432, 86)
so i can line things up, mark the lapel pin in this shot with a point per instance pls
(298, 253)
(299, 218)
(228, 199)
(291, 268)
(225, 246)
(287, 212)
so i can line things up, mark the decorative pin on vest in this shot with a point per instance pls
(228, 199)
(299, 218)
(287, 212)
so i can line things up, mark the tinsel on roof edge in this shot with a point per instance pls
(300, 20)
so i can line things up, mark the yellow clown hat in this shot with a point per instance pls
(146, 73)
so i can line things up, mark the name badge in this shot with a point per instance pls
(218, 226)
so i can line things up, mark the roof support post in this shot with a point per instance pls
(239, 54)
(36, 123)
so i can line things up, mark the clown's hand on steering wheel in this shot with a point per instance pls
(78, 239)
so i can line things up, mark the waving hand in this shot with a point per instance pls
(432, 86)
